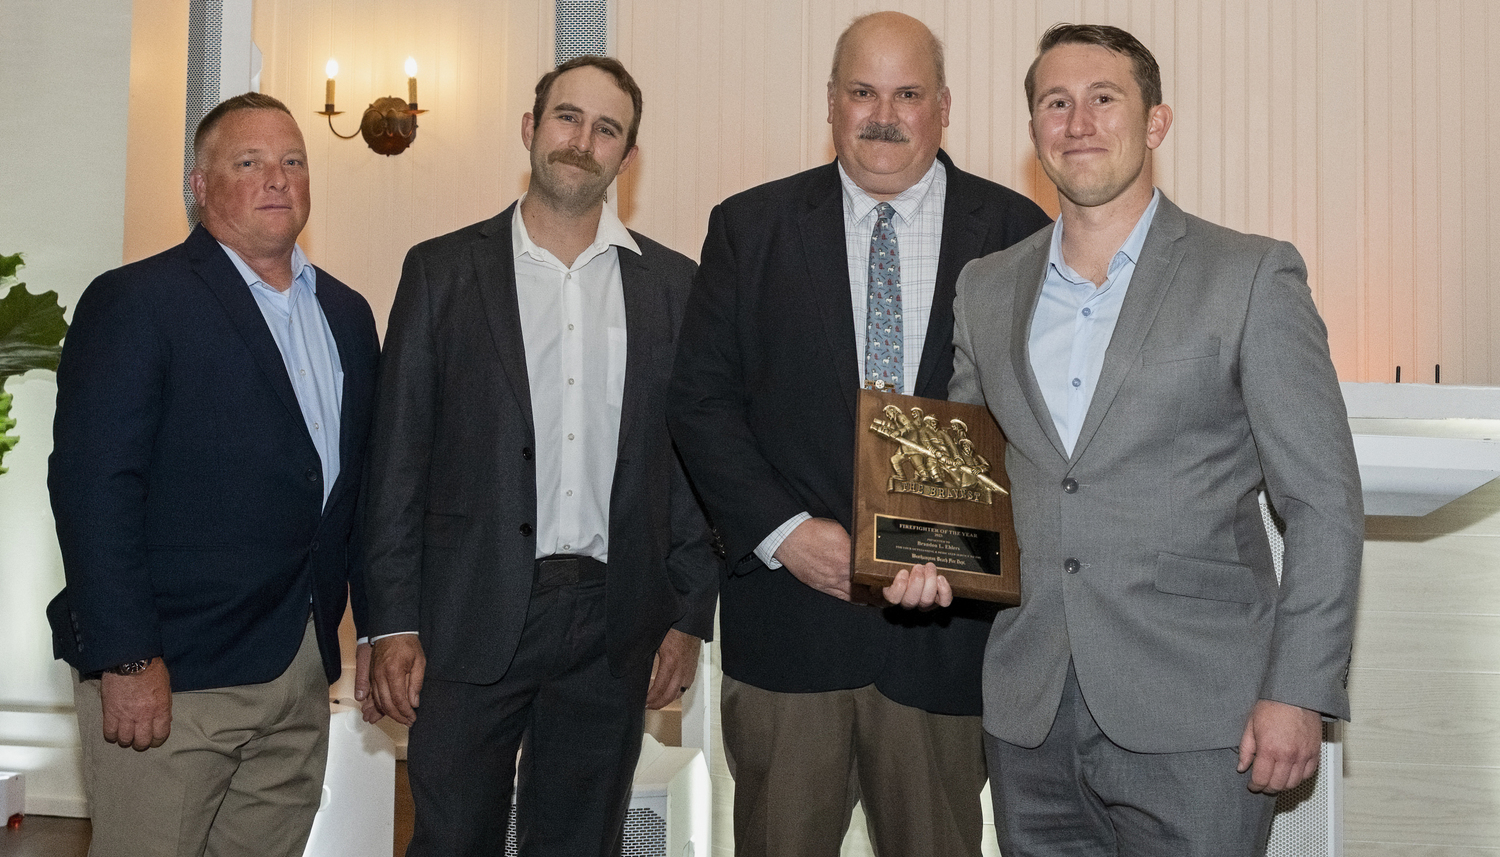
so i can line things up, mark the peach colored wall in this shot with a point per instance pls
(477, 63)
(1357, 129)
(155, 216)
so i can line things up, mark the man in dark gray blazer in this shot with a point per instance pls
(825, 696)
(533, 539)
(1153, 374)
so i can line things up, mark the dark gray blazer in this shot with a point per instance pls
(451, 497)
(1143, 556)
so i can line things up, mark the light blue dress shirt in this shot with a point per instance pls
(1073, 323)
(309, 351)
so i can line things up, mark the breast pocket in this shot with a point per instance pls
(1200, 350)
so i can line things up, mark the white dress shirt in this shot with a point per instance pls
(918, 222)
(573, 324)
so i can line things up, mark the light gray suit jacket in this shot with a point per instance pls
(1143, 555)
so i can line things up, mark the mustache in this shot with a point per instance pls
(883, 133)
(581, 160)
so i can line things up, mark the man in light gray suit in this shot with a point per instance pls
(1153, 373)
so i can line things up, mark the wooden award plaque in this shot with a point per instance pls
(930, 486)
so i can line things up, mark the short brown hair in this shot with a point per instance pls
(247, 101)
(609, 65)
(1143, 65)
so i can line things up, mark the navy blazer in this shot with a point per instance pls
(763, 404)
(187, 491)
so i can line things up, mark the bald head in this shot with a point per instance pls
(885, 28)
(887, 102)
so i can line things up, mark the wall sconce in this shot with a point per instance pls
(389, 124)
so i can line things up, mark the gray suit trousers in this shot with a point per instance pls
(1082, 795)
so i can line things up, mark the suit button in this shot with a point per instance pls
(526, 530)
(1070, 486)
(312, 475)
(526, 453)
(314, 547)
(1071, 566)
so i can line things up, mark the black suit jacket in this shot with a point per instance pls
(187, 491)
(763, 403)
(452, 482)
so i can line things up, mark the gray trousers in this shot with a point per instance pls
(1080, 794)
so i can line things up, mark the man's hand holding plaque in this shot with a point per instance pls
(919, 588)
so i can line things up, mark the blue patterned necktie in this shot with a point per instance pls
(883, 361)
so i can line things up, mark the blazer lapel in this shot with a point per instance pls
(357, 396)
(643, 319)
(495, 279)
(1027, 293)
(963, 240)
(1160, 256)
(823, 250)
(223, 279)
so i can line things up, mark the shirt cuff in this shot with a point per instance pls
(766, 550)
(379, 637)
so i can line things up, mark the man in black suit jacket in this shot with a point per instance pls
(529, 519)
(212, 408)
(821, 692)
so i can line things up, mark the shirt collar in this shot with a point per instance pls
(1129, 251)
(302, 269)
(905, 203)
(611, 233)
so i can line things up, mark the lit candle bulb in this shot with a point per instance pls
(411, 81)
(333, 71)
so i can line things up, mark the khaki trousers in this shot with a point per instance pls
(240, 775)
(801, 760)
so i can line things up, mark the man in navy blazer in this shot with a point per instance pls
(212, 408)
(827, 700)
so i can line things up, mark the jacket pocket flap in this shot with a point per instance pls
(1174, 353)
(1200, 578)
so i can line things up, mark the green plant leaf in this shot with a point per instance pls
(8, 266)
(31, 326)
(7, 422)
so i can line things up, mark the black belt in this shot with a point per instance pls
(566, 569)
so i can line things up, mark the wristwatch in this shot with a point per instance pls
(131, 668)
